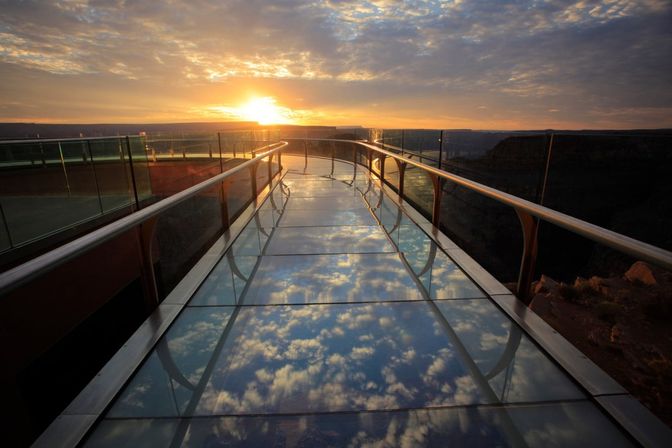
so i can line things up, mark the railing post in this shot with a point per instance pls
(44, 158)
(221, 160)
(65, 171)
(402, 170)
(6, 226)
(95, 177)
(145, 234)
(369, 156)
(270, 168)
(530, 226)
(253, 179)
(437, 184)
(382, 169)
(224, 206)
(130, 162)
(332, 146)
(440, 149)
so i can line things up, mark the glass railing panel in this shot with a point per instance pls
(262, 174)
(617, 181)
(419, 189)
(69, 322)
(391, 140)
(422, 145)
(141, 169)
(5, 237)
(510, 162)
(488, 231)
(325, 150)
(184, 233)
(111, 168)
(238, 192)
(38, 201)
(232, 143)
(391, 172)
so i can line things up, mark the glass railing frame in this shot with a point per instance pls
(88, 158)
(530, 215)
(143, 219)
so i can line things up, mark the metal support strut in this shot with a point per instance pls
(437, 184)
(530, 226)
(145, 234)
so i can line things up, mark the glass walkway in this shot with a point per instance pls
(334, 319)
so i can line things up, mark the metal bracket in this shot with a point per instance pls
(402, 169)
(530, 226)
(437, 184)
(145, 234)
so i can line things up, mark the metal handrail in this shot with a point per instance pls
(630, 246)
(18, 276)
(73, 139)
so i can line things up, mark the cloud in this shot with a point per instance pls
(425, 61)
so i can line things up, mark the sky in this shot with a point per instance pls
(561, 64)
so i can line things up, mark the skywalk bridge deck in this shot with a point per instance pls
(333, 314)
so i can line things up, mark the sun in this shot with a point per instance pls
(265, 110)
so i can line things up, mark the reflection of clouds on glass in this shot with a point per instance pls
(164, 384)
(435, 270)
(295, 359)
(346, 202)
(516, 368)
(225, 283)
(299, 218)
(328, 239)
(574, 424)
(251, 240)
(331, 278)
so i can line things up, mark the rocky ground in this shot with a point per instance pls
(622, 324)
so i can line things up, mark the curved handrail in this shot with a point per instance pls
(630, 246)
(67, 139)
(13, 278)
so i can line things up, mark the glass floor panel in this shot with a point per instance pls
(226, 282)
(338, 335)
(333, 203)
(574, 424)
(165, 383)
(515, 368)
(302, 218)
(319, 358)
(319, 188)
(328, 240)
(299, 279)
